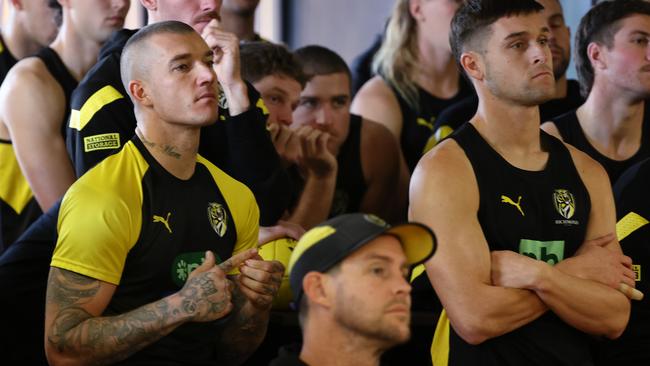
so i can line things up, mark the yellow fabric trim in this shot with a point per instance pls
(14, 188)
(629, 224)
(106, 95)
(417, 271)
(260, 104)
(101, 217)
(440, 344)
(2, 47)
(242, 206)
(308, 240)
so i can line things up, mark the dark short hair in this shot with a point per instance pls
(261, 59)
(600, 25)
(58, 11)
(132, 52)
(318, 60)
(471, 22)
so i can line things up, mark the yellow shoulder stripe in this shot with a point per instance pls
(629, 224)
(440, 344)
(2, 47)
(106, 95)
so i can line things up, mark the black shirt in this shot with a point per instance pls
(572, 133)
(457, 114)
(633, 231)
(104, 120)
(541, 214)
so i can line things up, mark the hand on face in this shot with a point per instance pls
(226, 53)
(286, 143)
(316, 159)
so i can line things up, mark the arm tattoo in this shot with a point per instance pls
(102, 340)
(244, 332)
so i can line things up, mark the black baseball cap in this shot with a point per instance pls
(327, 244)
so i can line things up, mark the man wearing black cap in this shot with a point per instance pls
(349, 280)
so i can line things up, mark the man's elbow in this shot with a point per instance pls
(474, 330)
(617, 326)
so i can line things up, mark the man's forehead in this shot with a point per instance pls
(634, 23)
(179, 43)
(533, 23)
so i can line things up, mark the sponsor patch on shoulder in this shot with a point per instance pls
(104, 141)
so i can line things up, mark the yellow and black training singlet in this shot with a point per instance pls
(18, 207)
(417, 124)
(572, 133)
(541, 214)
(131, 223)
(633, 232)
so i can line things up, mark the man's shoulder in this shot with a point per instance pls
(105, 73)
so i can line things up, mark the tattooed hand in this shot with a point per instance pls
(260, 280)
(206, 295)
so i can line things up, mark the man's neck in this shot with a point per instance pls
(612, 121)
(242, 26)
(330, 345)
(512, 130)
(174, 147)
(436, 71)
(17, 41)
(77, 52)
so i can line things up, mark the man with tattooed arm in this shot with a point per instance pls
(137, 275)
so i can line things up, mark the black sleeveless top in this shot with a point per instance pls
(14, 222)
(417, 125)
(60, 72)
(7, 60)
(541, 214)
(350, 183)
(572, 133)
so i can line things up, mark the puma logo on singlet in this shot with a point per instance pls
(508, 200)
(164, 221)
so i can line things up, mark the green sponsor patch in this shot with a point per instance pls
(104, 141)
(185, 263)
(551, 252)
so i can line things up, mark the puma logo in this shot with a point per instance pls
(508, 200)
(164, 221)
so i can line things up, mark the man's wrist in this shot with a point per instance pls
(237, 96)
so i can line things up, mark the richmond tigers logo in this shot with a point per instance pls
(564, 202)
(218, 218)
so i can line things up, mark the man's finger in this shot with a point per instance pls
(630, 292)
(208, 262)
(237, 259)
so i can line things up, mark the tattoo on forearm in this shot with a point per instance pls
(244, 332)
(101, 340)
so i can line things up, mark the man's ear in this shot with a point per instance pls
(150, 5)
(315, 287)
(139, 93)
(472, 63)
(597, 57)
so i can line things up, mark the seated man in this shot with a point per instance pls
(349, 277)
(633, 231)
(102, 117)
(365, 175)
(520, 216)
(613, 125)
(139, 278)
(567, 92)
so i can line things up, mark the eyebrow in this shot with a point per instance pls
(639, 32)
(385, 258)
(511, 36)
(187, 55)
(278, 90)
